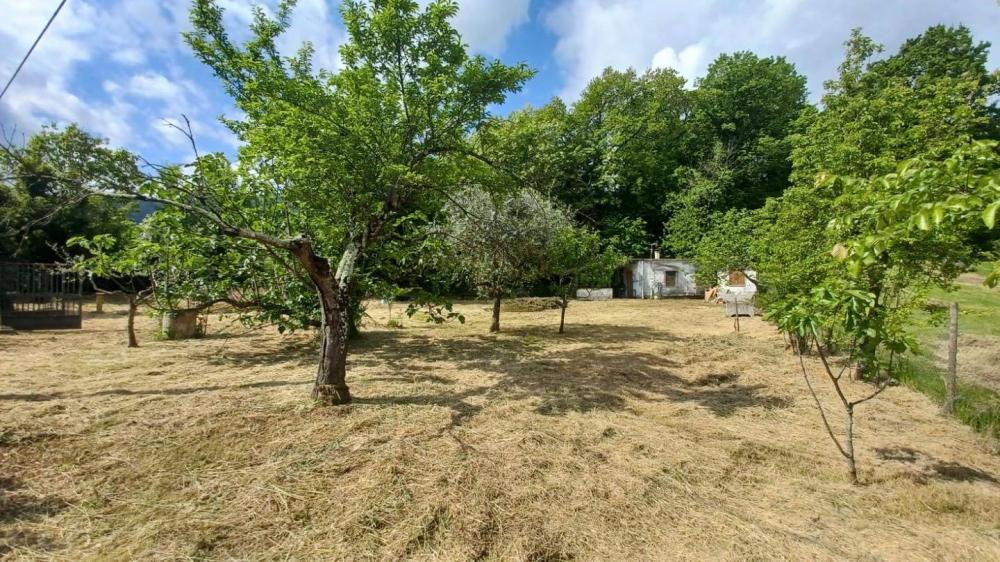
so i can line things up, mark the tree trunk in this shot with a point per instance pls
(867, 356)
(99, 302)
(331, 375)
(333, 289)
(133, 306)
(852, 469)
(495, 326)
(951, 379)
(562, 314)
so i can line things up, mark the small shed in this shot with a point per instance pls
(655, 278)
(737, 284)
(737, 289)
(38, 296)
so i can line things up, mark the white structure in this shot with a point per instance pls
(655, 278)
(737, 285)
(594, 294)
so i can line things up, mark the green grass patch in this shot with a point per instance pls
(975, 405)
(979, 308)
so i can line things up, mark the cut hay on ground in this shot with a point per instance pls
(648, 431)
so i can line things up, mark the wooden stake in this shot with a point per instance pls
(951, 378)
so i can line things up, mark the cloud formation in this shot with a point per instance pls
(686, 35)
(121, 69)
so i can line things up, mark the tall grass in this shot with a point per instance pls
(975, 405)
(979, 306)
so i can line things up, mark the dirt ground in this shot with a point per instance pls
(648, 431)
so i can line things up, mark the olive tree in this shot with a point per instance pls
(499, 241)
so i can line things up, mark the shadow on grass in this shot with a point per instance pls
(18, 508)
(593, 373)
(34, 397)
(934, 468)
(591, 376)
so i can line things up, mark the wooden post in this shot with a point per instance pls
(100, 302)
(951, 378)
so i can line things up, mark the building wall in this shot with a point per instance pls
(661, 278)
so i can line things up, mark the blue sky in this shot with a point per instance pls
(120, 68)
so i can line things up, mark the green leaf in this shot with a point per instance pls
(990, 214)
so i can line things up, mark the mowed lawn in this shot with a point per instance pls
(650, 430)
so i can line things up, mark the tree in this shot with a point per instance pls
(743, 113)
(826, 317)
(500, 240)
(875, 115)
(627, 136)
(576, 258)
(916, 223)
(45, 193)
(167, 264)
(727, 246)
(332, 161)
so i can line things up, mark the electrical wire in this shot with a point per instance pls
(33, 45)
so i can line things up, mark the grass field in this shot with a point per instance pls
(978, 398)
(648, 431)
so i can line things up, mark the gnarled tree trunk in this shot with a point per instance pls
(331, 376)
(333, 289)
(495, 326)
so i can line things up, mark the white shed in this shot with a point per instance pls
(737, 285)
(654, 278)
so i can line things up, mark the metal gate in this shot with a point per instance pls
(38, 296)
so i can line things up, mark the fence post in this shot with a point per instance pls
(950, 381)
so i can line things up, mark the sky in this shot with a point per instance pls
(121, 70)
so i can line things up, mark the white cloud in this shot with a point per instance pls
(314, 21)
(687, 63)
(688, 35)
(485, 24)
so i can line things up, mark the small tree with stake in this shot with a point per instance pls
(575, 259)
(840, 310)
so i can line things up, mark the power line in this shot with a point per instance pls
(33, 45)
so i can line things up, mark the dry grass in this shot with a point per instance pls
(648, 431)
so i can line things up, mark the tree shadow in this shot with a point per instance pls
(932, 468)
(298, 353)
(18, 507)
(591, 372)
(592, 377)
(179, 391)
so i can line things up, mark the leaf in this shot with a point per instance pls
(990, 214)
(923, 222)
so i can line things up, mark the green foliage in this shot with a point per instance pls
(743, 114)
(576, 258)
(629, 238)
(924, 211)
(500, 241)
(727, 246)
(886, 185)
(333, 162)
(45, 193)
